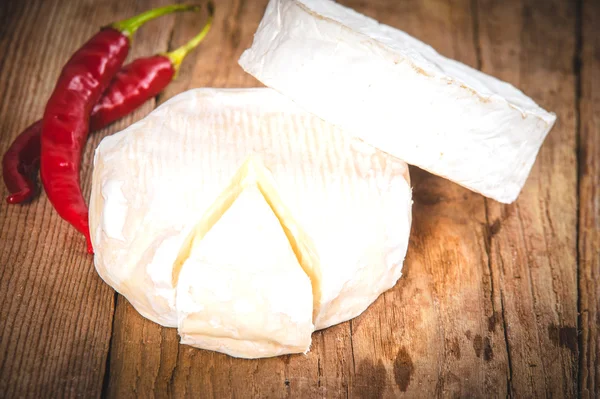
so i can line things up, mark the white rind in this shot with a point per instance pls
(351, 200)
(398, 94)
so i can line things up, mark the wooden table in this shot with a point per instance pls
(495, 299)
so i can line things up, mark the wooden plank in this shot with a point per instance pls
(532, 45)
(589, 201)
(56, 312)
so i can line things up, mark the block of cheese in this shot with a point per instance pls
(398, 94)
(175, 196)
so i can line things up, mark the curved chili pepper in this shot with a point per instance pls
(133, 85)
(66, 117)
(21, 162)
(142, 79)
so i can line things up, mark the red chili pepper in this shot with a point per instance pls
(66, 118)
(133, 85)
(141, 80)
(21, 162)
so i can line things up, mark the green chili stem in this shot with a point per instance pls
(176, 56)
(129, 26)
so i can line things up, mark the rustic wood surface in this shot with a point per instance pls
(496, 300)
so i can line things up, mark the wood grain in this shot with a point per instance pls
(488, 303)
(533, 246)
(589, 201)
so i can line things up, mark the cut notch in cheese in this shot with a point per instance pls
(240, 288)
(399, 95)
(253, 172)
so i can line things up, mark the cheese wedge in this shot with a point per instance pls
(167, 183)
(253, 173)
(399, 94)
(241, 290)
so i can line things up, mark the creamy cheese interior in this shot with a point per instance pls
(254, 174)
(241, 283)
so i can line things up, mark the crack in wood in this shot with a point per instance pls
(532, 293)
(439, 387)
(352, 348)
(578, 90)
(106, 377)
(491, 230)
(476, 39)
(488, 248)
(171, 381)
(319, 372)
(506, 341)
